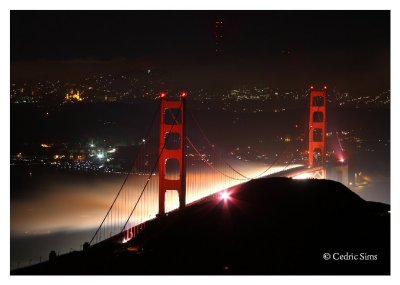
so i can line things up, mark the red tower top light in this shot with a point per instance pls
(163, 95)
(184, 94)
(311, 87)
(325, 87)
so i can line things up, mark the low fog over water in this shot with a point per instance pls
(58, 210)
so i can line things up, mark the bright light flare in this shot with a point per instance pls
(125, 240)
(340, 157)
(225, 196)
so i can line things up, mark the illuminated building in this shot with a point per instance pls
(73, 96)
(45, 145)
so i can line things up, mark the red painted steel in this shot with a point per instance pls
(178, 127)
(317, 126)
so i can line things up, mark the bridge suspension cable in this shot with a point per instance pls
(200, 180)
(136, 158)
(152, 172)
(212, 146)
(209, 164)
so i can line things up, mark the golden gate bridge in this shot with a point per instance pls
(171, 169)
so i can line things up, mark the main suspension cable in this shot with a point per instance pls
(151, 174)
(126, 177)
(209, 164)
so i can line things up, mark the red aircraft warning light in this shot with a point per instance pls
(184, 94)
(163, 95)
(325, 87)
(311, 87)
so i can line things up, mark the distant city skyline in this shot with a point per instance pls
(349, 49)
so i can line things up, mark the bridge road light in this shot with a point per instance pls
(225, 196)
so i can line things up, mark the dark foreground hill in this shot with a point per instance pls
(267, 226)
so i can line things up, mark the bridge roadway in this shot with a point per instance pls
(297, 171)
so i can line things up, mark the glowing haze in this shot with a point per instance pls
(81, 205)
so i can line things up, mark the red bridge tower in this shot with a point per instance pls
(172, 149)
(317, 128)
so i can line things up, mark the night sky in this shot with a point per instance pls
(349, 50)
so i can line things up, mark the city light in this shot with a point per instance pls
(45, 145)
(72, 96)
